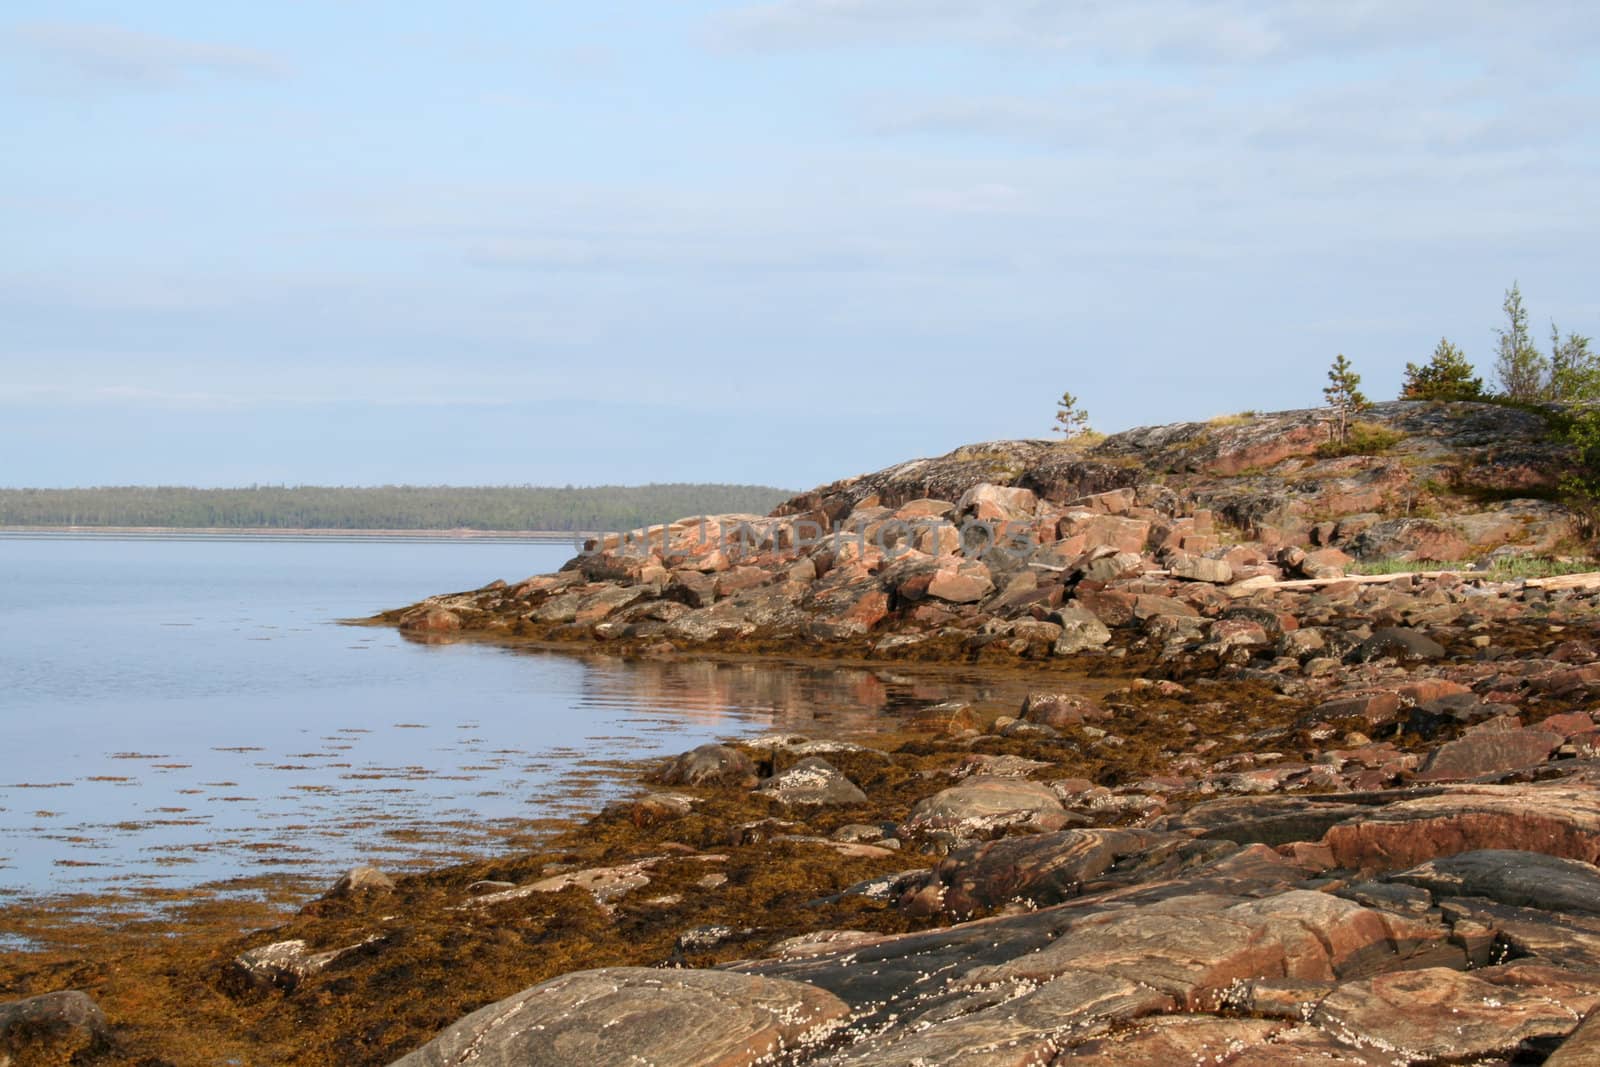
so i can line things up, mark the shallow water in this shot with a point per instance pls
(181, 712)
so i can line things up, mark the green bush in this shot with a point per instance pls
(1362, 439)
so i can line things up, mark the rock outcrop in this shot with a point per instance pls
(1166, 540)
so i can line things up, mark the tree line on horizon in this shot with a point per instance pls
(390, 507)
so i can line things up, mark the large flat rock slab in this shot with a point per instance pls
(1196, 947)
(626, 1016)
(1443, 1014)
(1557, 820)
(1025, 1031)
(1511, 876)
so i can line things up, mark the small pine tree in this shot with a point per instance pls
(1446, 376)
(1574, 370)
(1071, 420)
(1344, 396)
(1520, 366)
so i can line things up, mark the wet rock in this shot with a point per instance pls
(55, 1027)
(1557, 820)
(1488, 751)
(705, 938)
(983, 806)
(1393, 642)
(1196, 946)
(951, 717)
(652, 808)
(862, 832)
(710, 765)
(1442, 1014)
(894, 977)
(431, 621)
(812, 782)
(1029, 1029)
(1265, 820)
(996, 766)
(627, 1015)
(818, 942)
(1061, 709)
(1006, 726)
(359, 881)
(1038, 870)
(1080, 630)
(604, 884)
(1524, 879)
(285, 964)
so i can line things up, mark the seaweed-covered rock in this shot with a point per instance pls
(52, 1028)
(709, 765)
(983, 805)
(812, 782)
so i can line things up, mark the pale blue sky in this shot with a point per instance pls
(360, 241)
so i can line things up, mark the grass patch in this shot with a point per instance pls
(1363, 439)
(1237, 419)
(1393, 566)
(1500, 568)
(1538, 566)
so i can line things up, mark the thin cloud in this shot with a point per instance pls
(1181, 31)
(114, 55)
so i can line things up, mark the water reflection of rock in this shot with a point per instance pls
(796, 697)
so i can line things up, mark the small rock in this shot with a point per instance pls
(285, 964)
(66, 1025)
(359, 880)
(1061, 709)
(710, 765)
(1080, 630)
(812, 782)
(982, 806)
(1394, 642)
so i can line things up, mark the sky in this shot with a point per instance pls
(360, 242)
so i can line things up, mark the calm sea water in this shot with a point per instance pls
(180, 712)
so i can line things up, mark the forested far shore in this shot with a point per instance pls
(389, 507)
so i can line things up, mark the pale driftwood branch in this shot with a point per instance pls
(1371, 579)
(1587, 580)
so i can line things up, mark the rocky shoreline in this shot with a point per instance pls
(1301, 817)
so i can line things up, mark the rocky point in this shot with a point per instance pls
(1253, 809)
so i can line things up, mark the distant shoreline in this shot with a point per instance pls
(240, 533)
